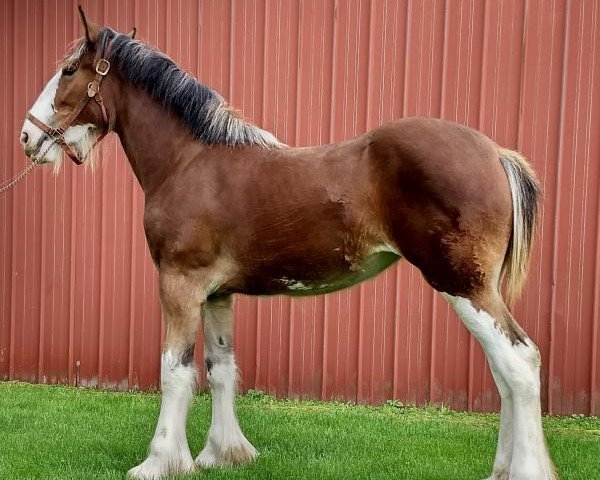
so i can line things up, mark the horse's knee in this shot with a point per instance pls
(218, 341)
(220, 370)
(218, 357)
(177, 369)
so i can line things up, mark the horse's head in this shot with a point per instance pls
(71, 113)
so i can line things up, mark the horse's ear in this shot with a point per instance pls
(90, 29)
(132, 33)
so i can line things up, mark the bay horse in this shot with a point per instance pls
(230, 209)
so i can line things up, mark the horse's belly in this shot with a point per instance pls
(371, 265)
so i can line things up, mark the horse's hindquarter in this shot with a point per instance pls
(448, 203)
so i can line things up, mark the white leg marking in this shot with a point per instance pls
(504, 449)
(505, 436)
(169, 450)
(226, 444)
(516, 369)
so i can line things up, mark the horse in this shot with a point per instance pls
(229, 209)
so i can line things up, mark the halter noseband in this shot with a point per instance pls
(102, 66)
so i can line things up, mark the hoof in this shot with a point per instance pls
(501, 475)
(154, 468)
(549, 474)
(236, 453)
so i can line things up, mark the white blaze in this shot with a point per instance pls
(80, 137)
(42, 108)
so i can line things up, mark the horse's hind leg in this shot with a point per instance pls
(226, 444)
(181, 299)
(515, 362)
(504, 448)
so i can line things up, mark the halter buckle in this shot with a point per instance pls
(93, 88)
(102, 67)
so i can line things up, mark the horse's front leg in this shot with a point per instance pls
(181, 298)
(226, 444)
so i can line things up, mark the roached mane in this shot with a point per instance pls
(201, 109)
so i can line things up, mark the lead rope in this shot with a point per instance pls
(11, 183)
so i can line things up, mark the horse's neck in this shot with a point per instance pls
(154, 140)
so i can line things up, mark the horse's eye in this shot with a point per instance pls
(69, 69)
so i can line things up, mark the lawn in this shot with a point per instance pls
(66, 433)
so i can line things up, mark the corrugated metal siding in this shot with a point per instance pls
(76, 282)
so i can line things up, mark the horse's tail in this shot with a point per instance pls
(525, 191)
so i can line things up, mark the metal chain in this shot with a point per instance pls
(19, 177)
(11, 183)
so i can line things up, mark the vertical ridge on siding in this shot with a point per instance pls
(6, 203)
(595, 120)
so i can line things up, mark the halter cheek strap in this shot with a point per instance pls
(101, 66)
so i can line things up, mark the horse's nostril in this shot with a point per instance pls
(24, 138)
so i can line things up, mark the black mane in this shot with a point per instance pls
(200, 108)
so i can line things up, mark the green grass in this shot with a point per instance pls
(65, 433)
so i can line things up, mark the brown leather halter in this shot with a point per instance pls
(102, 66)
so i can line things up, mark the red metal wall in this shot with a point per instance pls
(76, 280)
